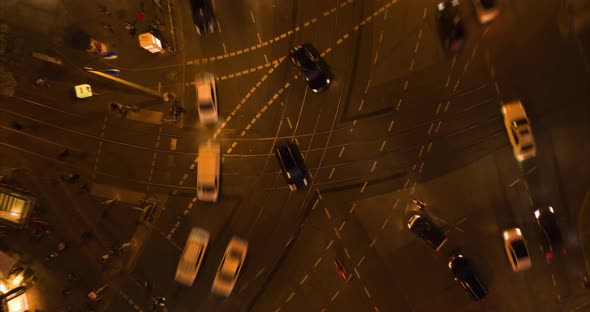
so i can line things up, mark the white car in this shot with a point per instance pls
(207, 98)
(230, 267)
(192, 256)
(516, 249)
(486, 10)
(519, 131)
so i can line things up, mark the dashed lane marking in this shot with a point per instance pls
(206, 60)
(258, 115)
(245, 98)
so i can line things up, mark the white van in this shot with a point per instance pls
(208, 172)
(192, 256)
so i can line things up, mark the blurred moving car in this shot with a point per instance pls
(519, 131)
(207, 98)
(551, 238)
(208, 172)
(466, 276)
(450, 26)
(486, 10)
(518, 253)
(192, 256)
(203, 16)
(230, 267)
(311, 66)
(292, 164)
(427, 231)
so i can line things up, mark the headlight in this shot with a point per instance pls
(315, 90)
(551, 209)
(537, 213)
(327, 80)
(518, 231)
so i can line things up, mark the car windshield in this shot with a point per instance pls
(520, 122)
(206, 105)
(488, 4)
(519, 248)
(207, 188)
(527, 147)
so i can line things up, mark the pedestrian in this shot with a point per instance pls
(42, 82)
(109, 28)
(86, 235)
(165, 97)
(72, 277)
(131, 28)
(63, 155)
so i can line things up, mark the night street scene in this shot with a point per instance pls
(295, 155)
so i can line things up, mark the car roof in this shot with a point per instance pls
(290, 157)
(548, 222)
(519, 248)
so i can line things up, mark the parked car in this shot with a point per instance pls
(427, 231)
(467, 277)
(192, 256)
(519, 131)
(486, 10)
(292, 164)
(516, 249)
(551, 238)
(311, 66)
(203, 16)
(207, 98)
(230, 267)
(450, 26)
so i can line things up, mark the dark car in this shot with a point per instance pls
(551, 239)
(450, 25)
(311, 66)
(466, 276)
(427, 231)
(203, 16)
(292, 164)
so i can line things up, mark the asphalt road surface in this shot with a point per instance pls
(401, 120)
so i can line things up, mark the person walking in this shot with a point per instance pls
(109, 28)
(42, 82)
(63, 155)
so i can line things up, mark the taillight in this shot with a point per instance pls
(563, 251)
(549, 256)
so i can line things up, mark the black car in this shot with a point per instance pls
(311, 66)
(292, 164)
(551, 239)
(427, 231)
(450, 25)
(466, 276)
(203, 16)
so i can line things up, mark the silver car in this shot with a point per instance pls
(192, 256)
(206, 98)
(230, 267)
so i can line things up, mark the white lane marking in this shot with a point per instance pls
(252, 16)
